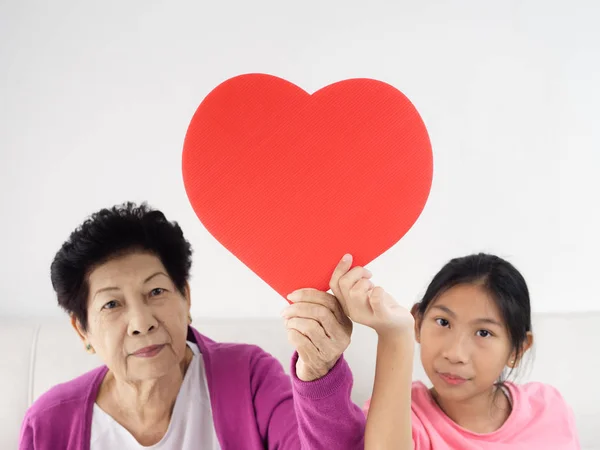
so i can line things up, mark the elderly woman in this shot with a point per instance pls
(123, 278)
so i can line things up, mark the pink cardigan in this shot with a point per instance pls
(254, 403)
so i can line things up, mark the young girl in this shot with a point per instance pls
(474, 327)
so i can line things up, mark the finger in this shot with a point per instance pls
(323, 348)
(376, 300)
(358, 298)
(340, 270)
(338, 334)
(317, 297)
(361, 289)
(309, 328)
(348, 281)
(303, 345)
(318, 313)
(297, 339)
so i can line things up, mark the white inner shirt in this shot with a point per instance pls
(191, 425)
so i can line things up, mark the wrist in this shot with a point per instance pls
(305, 372)
(396, 335)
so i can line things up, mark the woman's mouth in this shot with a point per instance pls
(149, 352)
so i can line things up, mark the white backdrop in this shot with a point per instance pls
(96, 97)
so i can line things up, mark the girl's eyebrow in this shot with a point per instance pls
(453, 315)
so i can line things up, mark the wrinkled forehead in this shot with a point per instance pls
(124, 269)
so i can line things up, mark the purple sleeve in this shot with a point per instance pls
(26, 436)
(305, 415)
(273, 403)
(327, 417)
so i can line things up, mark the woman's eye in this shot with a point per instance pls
(110, 305)
(484, 333)
(442, 322)
(157, 291)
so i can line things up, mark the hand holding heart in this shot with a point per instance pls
(319, 326)
(318, 329)
(367, 304)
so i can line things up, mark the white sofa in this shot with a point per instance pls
(39, 354)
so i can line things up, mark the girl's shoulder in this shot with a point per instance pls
(536, 394)
(531, 398)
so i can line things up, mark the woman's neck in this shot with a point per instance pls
(484, 413)
(145, 403)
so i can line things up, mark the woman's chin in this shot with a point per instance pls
(151, 368)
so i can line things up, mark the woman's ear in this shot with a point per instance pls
(418, 319)
(78, 328)
(187, 294)
(83, 335)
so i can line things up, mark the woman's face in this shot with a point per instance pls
(137, 319)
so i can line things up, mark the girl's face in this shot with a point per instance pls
(464, 342)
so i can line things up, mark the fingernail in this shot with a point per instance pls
(347, 257)
(294, 296)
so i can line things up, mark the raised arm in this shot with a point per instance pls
(322, 380)
(389, 417)
(305, 415)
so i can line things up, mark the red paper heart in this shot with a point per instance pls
(289, 182)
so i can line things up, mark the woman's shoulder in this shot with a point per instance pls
(239, 354)
(233, 352)
(67, 397)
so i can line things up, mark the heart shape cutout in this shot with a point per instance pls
(289, 182)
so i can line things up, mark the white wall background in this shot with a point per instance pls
(96, 97)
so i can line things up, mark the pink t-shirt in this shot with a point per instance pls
(540, 419)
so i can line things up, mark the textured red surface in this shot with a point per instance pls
(289, 182)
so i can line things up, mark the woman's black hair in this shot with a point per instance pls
(110, 233)
(502, 281)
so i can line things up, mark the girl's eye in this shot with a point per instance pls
(157, 291)
(484, 333)
(110, 305)
(442, 322)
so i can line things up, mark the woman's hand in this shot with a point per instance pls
(367, 304)
(318, 329)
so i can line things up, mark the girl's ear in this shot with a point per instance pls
(418, 319)
(514, 358)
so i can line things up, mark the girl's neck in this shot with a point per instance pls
(484, 413)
